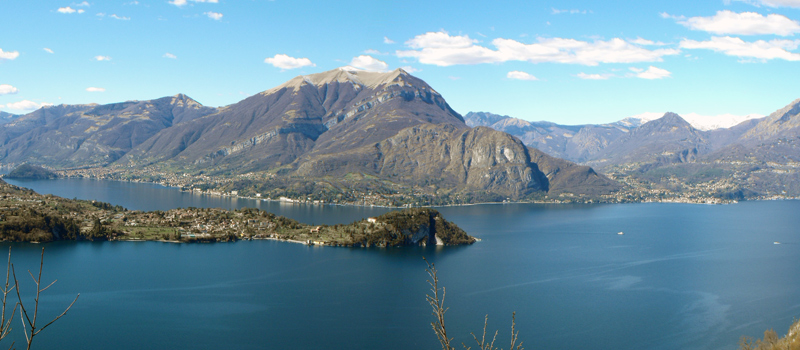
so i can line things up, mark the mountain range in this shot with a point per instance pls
(760, 153)
(328, 129)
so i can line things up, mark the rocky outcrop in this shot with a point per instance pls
(415, 227)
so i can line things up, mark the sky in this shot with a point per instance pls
(569, 62)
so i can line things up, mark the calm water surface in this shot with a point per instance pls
(681, 277)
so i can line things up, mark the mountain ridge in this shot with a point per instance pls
(320, 134)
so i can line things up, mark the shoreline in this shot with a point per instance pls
(709, 201)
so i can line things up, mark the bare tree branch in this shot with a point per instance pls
(24, 316)
(437, 304)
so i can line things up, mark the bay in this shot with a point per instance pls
(681, 277)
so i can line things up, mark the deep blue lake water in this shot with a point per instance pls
(681, 277)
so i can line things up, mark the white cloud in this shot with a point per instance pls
(519, 75)
(169, 55)
(386, 40)
(213, 15)
(761, 50)
(773, 3)
(121, 18)
(645, 42)
(6, 89)
(66, 10)
(82, 4)
(442, 49)
(102, 58)
(48, 50)
(651, 73)
(594, 76)
(8, 55)
(26, 105)
(745, 23)
(95, 89)
(287, 62)
(369, 63)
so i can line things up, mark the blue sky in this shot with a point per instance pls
(570, 62)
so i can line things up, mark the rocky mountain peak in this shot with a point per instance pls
(668, 123)
(350, 75)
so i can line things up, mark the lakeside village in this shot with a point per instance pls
(635, 190)
(26, 216)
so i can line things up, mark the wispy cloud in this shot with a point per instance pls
(745, 23)
(6, 89)
(181, 3)
(95, 89)
(556, 11)
(48, 50)
(102, 58)
(8, 55)
(593, 76)
(369, 63)
(121, 18)
(287, 62)
(760, 50)
(443, 49)
(651, 73)
(213, 15)
(171, 56)
(520, 75)
(386, 40)
(82, 4)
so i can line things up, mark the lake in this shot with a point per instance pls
(680, 277)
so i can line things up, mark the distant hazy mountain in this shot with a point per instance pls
(699, 122)
(573, 142)
(7, 117)
(326, 127)
(666, 139)
(91, 135)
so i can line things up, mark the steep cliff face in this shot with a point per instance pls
(444, 155)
